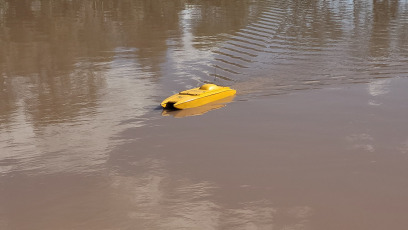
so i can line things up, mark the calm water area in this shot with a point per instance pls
(315, 139)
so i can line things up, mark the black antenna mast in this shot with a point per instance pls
(215, 73)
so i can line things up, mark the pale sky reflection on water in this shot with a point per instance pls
(40, 147)
(158, 201)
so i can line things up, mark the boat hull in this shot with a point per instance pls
(197, 97)
(204, 100)
(196, 111)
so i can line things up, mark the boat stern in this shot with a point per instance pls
(171, 102)
(168, 104)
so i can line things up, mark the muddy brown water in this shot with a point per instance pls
(317, 137)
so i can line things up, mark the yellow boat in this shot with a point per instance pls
(198, 96)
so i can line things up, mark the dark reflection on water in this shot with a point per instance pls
(80, 82)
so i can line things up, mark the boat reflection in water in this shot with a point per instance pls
(179, 113)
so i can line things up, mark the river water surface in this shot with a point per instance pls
(316, 138)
